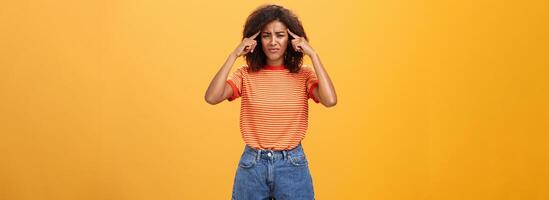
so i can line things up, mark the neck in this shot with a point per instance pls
(278, 62)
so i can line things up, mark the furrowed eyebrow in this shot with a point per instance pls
(275, 32)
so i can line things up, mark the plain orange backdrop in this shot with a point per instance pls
(437, 100)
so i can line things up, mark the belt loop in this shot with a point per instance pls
(258, 154)
(284, 154)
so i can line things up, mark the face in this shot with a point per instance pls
(274, 39)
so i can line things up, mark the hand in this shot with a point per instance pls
(300, 44)
(247, 45)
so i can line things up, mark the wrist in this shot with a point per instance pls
(233, 56)
(313, 55)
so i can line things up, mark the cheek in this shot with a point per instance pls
(264, 45)
(264, 41)
(284, 43)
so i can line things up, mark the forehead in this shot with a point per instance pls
(274, 26)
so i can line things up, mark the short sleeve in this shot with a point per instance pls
(235, 81)
(312, 82)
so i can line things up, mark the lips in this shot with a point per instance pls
(273, 50)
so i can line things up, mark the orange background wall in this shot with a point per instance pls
(437, 99)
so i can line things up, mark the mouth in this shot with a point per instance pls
(273, 50)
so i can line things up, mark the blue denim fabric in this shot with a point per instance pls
(266, 174)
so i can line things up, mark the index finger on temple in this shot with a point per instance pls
(254, 35)
(293, 34)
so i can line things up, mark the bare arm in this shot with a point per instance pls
(219, 89)
(325, 90)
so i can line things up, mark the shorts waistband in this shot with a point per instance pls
(273, 154)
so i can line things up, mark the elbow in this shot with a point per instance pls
(330, 103)
(210, 100)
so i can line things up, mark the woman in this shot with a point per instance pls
(275, 89)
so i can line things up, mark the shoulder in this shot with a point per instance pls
(306, 69)
(242, 69)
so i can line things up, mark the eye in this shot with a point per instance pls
(280, 35)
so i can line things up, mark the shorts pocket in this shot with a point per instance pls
(247, 161)
(298, 160)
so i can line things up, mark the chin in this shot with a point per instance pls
(274, 57)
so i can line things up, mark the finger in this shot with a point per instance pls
(296, 47)
(246, 50)
(293, 34)
(296, 44)
(249, 44)
(255, 35)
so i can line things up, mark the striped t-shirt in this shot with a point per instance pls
(274, 108)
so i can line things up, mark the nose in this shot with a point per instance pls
(273, 42)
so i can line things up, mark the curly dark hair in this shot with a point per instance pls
(261, 17)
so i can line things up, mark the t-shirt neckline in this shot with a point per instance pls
(280, 67)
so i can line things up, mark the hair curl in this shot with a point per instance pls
(257, 20)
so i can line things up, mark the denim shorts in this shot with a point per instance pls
(267, 174)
